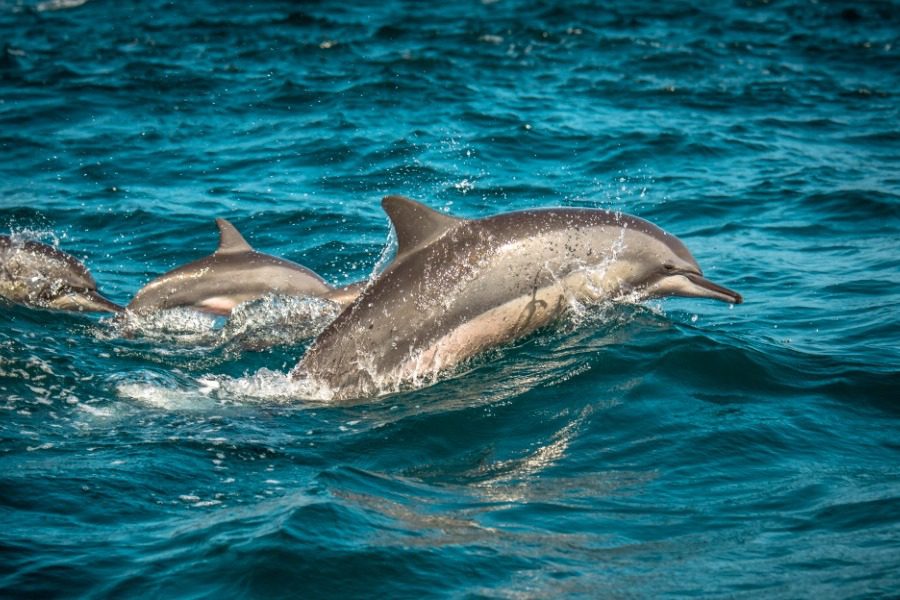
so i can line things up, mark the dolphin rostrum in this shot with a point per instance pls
(233, 274)
(460, 286)
(40, 276)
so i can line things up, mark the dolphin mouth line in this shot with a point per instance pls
(96, 302)
(719, 292)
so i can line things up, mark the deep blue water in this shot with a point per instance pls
(677, 448)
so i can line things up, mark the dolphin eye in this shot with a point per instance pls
(669, 267)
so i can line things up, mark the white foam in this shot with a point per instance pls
(269, 321)
(53, 5)
(264, 386)
(163, 396)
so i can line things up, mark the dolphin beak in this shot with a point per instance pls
(101, 304)
(86, 301)
(701, 287)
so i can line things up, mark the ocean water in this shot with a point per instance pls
(674, 448)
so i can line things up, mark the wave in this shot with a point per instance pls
(845, 204)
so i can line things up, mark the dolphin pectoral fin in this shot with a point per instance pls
(701, 287)
(217, 305)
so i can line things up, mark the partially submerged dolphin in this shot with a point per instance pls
(460, 286)
(233, 274)
(40, 276)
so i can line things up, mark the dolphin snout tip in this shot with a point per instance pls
(702, 287)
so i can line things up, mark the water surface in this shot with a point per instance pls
(683, 447)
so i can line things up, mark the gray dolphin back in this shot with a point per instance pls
(233, 274)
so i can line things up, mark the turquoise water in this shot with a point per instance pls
(676, 448)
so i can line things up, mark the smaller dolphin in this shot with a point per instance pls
(40, 276)
(235, 273)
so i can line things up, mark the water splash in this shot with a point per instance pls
(564, 348)
(256, 325)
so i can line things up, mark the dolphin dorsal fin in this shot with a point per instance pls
(230, 239)
(414, 223)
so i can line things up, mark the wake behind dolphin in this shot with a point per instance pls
(458, 287)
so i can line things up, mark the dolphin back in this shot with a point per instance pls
(235, 273)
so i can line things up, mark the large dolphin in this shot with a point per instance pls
(233, 274)
(460, 286)
(40, 276)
